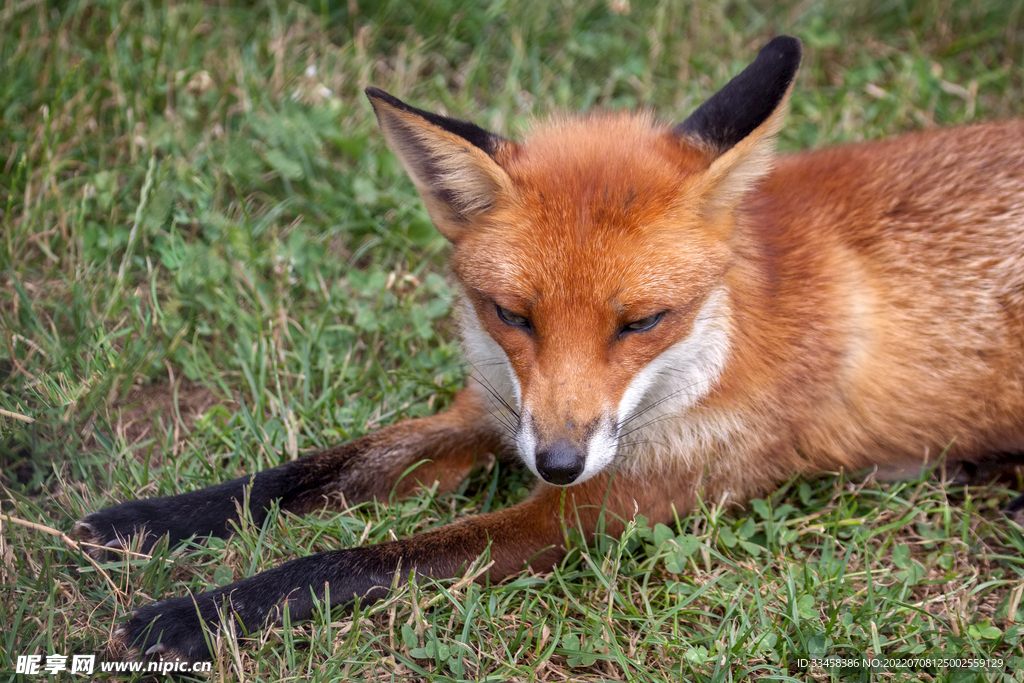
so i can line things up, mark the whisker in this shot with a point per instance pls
(500, 414)
(507, 415)
(655, 404)
(639, 442)
(655, 420)
(488, 363)
(484, 382)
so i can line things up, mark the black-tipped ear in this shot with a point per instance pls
(746, 101)
(452, 163)
(470, 132)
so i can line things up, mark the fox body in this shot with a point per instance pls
(653, 313)
(861, 306)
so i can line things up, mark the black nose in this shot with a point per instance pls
(560, 464)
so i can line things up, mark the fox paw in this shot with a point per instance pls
(170, 629)
(204, 512)
(115, 527)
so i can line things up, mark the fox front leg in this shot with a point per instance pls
(396, 459)
(530, 533)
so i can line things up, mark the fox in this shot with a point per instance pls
(655, 314)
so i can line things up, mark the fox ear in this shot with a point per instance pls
(737, 125)
(451, 162)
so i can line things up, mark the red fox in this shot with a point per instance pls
(655, 313)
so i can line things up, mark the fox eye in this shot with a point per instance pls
(643, 324)
(513, 319)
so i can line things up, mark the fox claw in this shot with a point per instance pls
(169, 629)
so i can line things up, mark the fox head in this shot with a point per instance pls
(592, 256)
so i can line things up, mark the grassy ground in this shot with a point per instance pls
(210, 263)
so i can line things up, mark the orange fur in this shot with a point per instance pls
(654, 313)
(874, 294)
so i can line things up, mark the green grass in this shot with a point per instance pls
(210, 263)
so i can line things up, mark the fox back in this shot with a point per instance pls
(675, 299)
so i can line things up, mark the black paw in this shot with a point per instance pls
(206, 512)
(177, 628)
(170, 629)
(115, 527)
